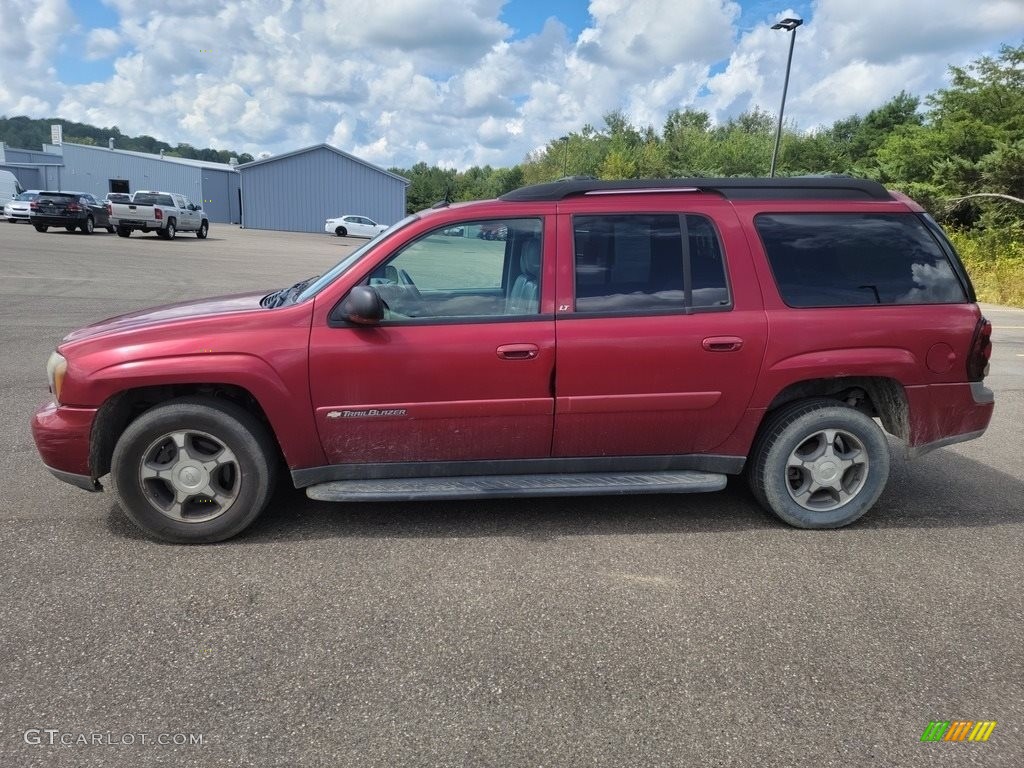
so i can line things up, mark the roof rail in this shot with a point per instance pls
(792, 188)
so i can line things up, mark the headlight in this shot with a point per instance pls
(56, 367)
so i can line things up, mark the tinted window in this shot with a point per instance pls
(143, 198)
(648, 262)
(492, 269)
(829, 260)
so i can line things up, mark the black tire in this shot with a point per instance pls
(203, 230)
(124, 232)
(792, 432)
(340, 231)
(70, 228)
(89, 227)
(41, 227)
(110, 229)
(171, 230)
(255, 462)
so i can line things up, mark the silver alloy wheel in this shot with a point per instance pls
(190, 476)
(826, 470)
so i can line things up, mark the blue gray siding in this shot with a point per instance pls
(32, 169)
(299, 191)
(90, 169)
(29, 178)
(220, 195)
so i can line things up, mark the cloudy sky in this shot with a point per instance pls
(464, 82)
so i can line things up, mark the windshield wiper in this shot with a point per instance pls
(285, 295)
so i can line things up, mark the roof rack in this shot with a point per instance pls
(792, 188)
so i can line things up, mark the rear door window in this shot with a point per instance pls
(832, 260)
(638, 263)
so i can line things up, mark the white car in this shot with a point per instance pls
(353, 226)
(18, 208)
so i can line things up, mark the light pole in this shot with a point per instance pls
(565, 154)
(790, 26)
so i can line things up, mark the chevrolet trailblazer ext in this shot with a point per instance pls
(624, 337)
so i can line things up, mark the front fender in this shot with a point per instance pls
(284, 399)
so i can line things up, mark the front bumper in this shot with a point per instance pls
(62, 439)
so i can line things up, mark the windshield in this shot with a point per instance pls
(345, 264)
(26, 197)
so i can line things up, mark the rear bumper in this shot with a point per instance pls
(57, 221)
(136, 224)
(943, 414)
(62, 434)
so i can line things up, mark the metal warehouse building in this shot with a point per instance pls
(33, 169)
(298, 190)
(100, 170)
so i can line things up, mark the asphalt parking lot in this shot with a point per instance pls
(653, 630)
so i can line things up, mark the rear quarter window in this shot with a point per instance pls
(831, 260)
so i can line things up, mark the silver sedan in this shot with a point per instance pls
(17, 209)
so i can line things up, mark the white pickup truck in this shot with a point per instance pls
(166, 213)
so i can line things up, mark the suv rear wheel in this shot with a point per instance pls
(819, 464)
(194, 471)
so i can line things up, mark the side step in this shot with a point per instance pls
(504, 486)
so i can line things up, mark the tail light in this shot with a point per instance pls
(33, 206)
(981, 351)
(110, 210)
(158, 214)
(73, 207)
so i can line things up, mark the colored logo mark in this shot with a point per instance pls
(958, 730)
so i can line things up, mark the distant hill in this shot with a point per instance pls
(26, 133)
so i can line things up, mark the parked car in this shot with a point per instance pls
(71, 210)
(702, 328)
(165, 213)
(18, 208)
(350, 225)
(492, 232)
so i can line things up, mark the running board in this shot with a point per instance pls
(503, 486)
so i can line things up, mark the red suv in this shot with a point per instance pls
(622, 338)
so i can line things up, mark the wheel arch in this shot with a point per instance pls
(122, 408)
(876, 396)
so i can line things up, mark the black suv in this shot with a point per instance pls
(71, 210)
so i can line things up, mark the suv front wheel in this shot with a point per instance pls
(819, 464)
(194, 471)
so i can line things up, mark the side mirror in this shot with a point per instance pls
(361, 306)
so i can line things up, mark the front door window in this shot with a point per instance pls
(482, 269)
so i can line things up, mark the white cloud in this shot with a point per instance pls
(102, 43)
(444, 81)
